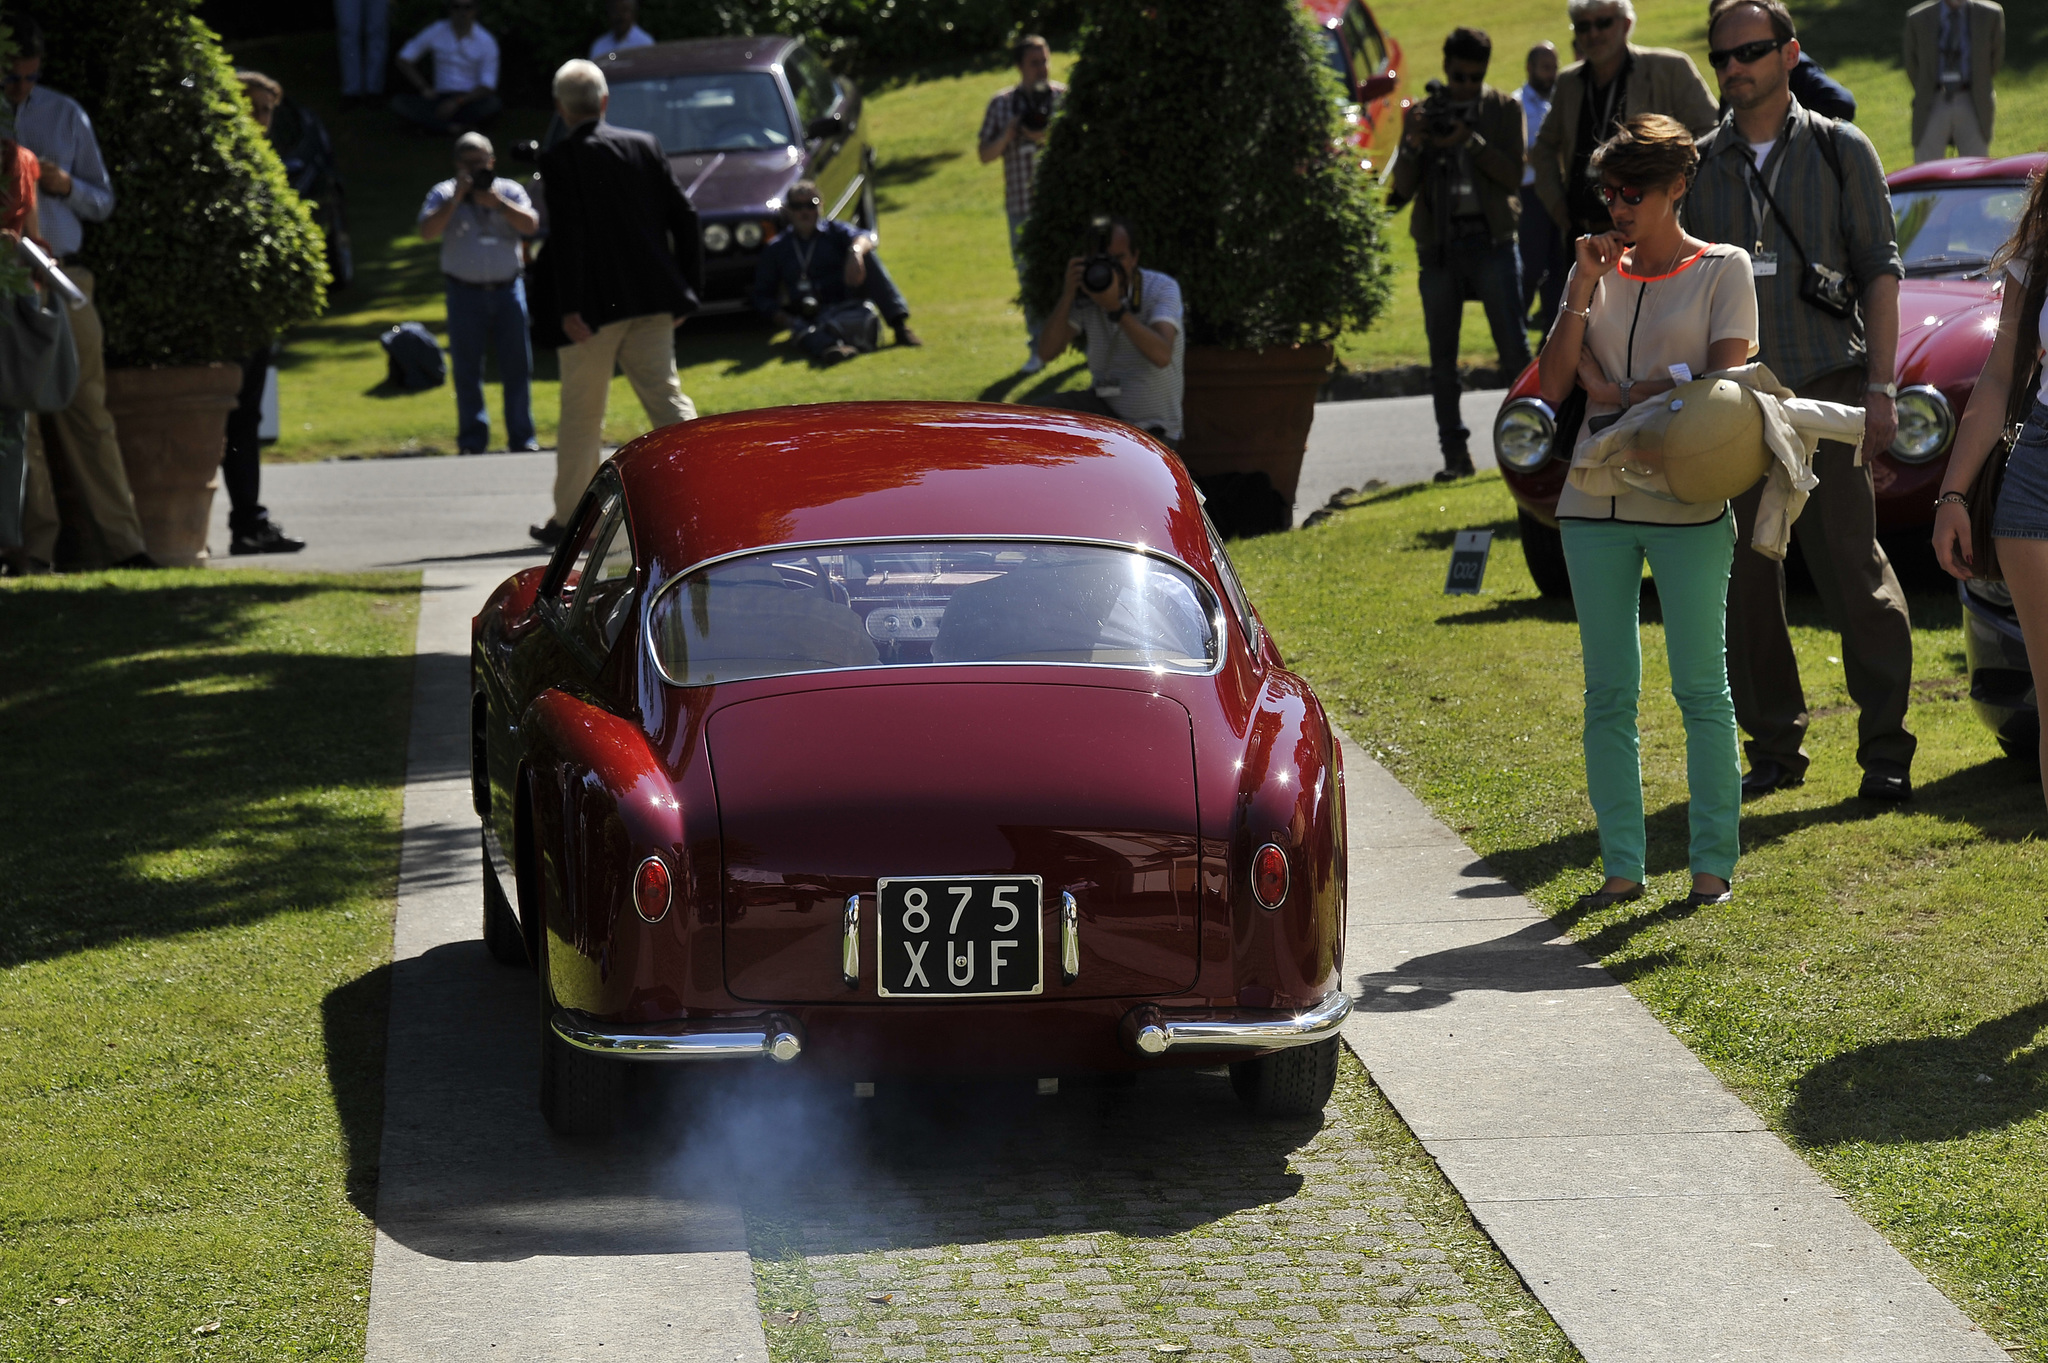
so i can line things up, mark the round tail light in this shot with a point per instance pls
(1269, 876)
(651, 889)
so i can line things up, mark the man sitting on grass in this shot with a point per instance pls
(818, 280)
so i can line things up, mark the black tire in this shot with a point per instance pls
(1543, 551)
(1292, 1083)
(580, 1094)
(502, 935)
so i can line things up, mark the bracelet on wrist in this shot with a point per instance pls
(1954, 499)
(1584, 314)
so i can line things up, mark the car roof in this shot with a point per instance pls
(792, 475)
(1963, 169)
(760, 52)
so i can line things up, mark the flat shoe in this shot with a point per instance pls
(1700, 899)
(1878, 786)
(1766, 776)
(548, 533)
(1605, 899)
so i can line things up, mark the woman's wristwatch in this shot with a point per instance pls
(1626, 386)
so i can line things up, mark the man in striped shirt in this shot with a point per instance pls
(1014, 129)
(1796, 190)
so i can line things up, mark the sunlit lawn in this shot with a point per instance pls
(200, 855)
(1879, 989)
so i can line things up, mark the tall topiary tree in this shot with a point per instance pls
(1213, 127)
(208, 251)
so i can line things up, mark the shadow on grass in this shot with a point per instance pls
(167, 782)
(1935, 1088)
(1437, 540)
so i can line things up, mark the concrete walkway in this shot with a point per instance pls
(495, 1241)
(1649, 1210)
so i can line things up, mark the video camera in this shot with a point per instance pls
(1438, 119)
(1037, 102)
(1100, 270)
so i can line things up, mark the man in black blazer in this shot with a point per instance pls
(624, 263)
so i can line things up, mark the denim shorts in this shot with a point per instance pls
(2022, 510)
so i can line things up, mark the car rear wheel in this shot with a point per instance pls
(1543, 550)
(580, 1094)
(1291, 1083)
(502, 937)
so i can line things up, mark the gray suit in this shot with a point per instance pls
(1932, 106)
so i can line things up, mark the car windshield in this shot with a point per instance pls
(1955, 229)
(905, 604)
(739, 111)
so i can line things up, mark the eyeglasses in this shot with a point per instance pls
(1584, 26)
(1628, 194)
(1747, 53)
(17, 78)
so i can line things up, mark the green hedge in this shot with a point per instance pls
(536, 36)
(208, 251)
(1213, 126)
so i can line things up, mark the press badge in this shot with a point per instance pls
(1764, 264)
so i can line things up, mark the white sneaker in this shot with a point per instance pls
(1034, 364)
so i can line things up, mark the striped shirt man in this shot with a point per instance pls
(1845, 220)
(1020, 158)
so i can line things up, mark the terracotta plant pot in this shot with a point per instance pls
(173, 425)
(1248, 412)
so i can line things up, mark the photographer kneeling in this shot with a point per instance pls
(1129, 323)
(823, 282)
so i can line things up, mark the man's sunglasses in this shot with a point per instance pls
(1628, 194)
(17, 78)
(1747, 53)
(1584, 26)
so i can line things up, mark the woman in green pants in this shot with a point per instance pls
(1646, 307)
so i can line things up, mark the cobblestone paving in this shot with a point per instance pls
(1130, 1224)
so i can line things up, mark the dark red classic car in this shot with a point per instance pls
(1951, 216)
(900, 739)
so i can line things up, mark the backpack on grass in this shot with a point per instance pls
(413, 358)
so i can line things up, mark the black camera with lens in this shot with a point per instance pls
(1100, 270)
(1037, 106)
(806, 307)
(1438, 119)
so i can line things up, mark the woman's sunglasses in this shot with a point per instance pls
(1747, 53)
(1628, 194)
(1584, 26)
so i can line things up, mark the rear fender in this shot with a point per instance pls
(1290, 792)
(601, 802)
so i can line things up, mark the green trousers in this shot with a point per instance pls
(1690, 564)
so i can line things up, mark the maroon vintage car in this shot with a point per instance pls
(903, 739)
(1951, 216)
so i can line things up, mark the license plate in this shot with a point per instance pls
(960, 937)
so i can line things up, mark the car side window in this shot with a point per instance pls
(1233, 590)
(815, 90)
(582, 537)
(604, 591)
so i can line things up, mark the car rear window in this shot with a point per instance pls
(931, 603)
(740, 111)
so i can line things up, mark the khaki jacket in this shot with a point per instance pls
(1496, 149)
(1923, 60)
(1661, 81)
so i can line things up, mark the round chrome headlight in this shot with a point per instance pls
(748, 235)
(1926, 425)
(717, 237)
(1522, 434)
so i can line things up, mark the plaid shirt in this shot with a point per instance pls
(1020, 158)
(1847, 224)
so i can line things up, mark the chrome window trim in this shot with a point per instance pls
(1218, 613)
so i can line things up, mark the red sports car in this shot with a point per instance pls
(1951, 216)
(904, 739)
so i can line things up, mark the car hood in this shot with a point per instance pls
(739, 181)
(822, 792)
(1945, 329)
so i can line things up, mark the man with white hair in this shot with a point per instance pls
(479, 220)
(625, 263)
(1615, 81)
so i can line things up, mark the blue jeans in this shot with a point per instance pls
(1032, 321)
(478, 317)
(1469, 267)
(365, 50)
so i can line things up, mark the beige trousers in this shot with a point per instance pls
(84, 436)
(644, 349)
(1953, 120)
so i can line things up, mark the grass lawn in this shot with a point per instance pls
(1879, 989)
(200, 859)
(942, 229)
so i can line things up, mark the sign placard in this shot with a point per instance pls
(1468, 562)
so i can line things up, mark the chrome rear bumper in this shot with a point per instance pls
(1156, 1031)
(757, 1038)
